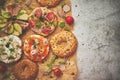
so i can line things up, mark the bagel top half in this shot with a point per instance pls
(63, 44)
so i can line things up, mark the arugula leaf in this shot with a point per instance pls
(51, 62)
(61, 62)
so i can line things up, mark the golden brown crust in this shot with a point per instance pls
(63, 44)
(49, 3)
(25, 70)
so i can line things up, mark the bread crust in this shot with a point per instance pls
(49, 3)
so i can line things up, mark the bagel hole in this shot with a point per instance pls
(62, 42)
(24, 67)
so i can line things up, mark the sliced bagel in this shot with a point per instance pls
(43, 21)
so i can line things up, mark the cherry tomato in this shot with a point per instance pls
(38, 13)
(57, 72)
(50, 16)
(69, 20)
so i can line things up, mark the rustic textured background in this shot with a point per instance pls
(97, 27)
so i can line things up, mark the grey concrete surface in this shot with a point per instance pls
(97, 27)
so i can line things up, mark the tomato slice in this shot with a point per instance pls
(38, 13)
(50, 16)
(46, 30)
(32, 22)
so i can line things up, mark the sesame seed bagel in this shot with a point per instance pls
(63, 44)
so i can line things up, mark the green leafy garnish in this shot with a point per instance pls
(51, 62)
(38, 25)
(11, 57)
(66, 29)
(4, 54)
(16, 1)
(12, 49)
(11, 39)
(48, 24)
(62, 24)
(62, 4)
(61, 62)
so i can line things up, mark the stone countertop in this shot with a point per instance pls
(97, 27)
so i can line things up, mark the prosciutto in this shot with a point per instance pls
(14, 9)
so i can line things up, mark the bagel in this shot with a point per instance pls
(36, 47)
(43, 21)
(63, 44)
(25, 70)
(49, 3)
(10, 48)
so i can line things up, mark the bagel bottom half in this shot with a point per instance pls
(25, 70)
(63, 44)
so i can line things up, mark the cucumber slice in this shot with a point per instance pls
(18, 28)
(2, 25)
(22, 12)
(5, 14)
(16, 33)
(11, 30)
(23, 17)
(2, 19)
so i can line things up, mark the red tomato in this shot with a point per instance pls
(50, 16)
(38, 13)
(46, 30)
(32, 22)
(57, 72)
(69, 20)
